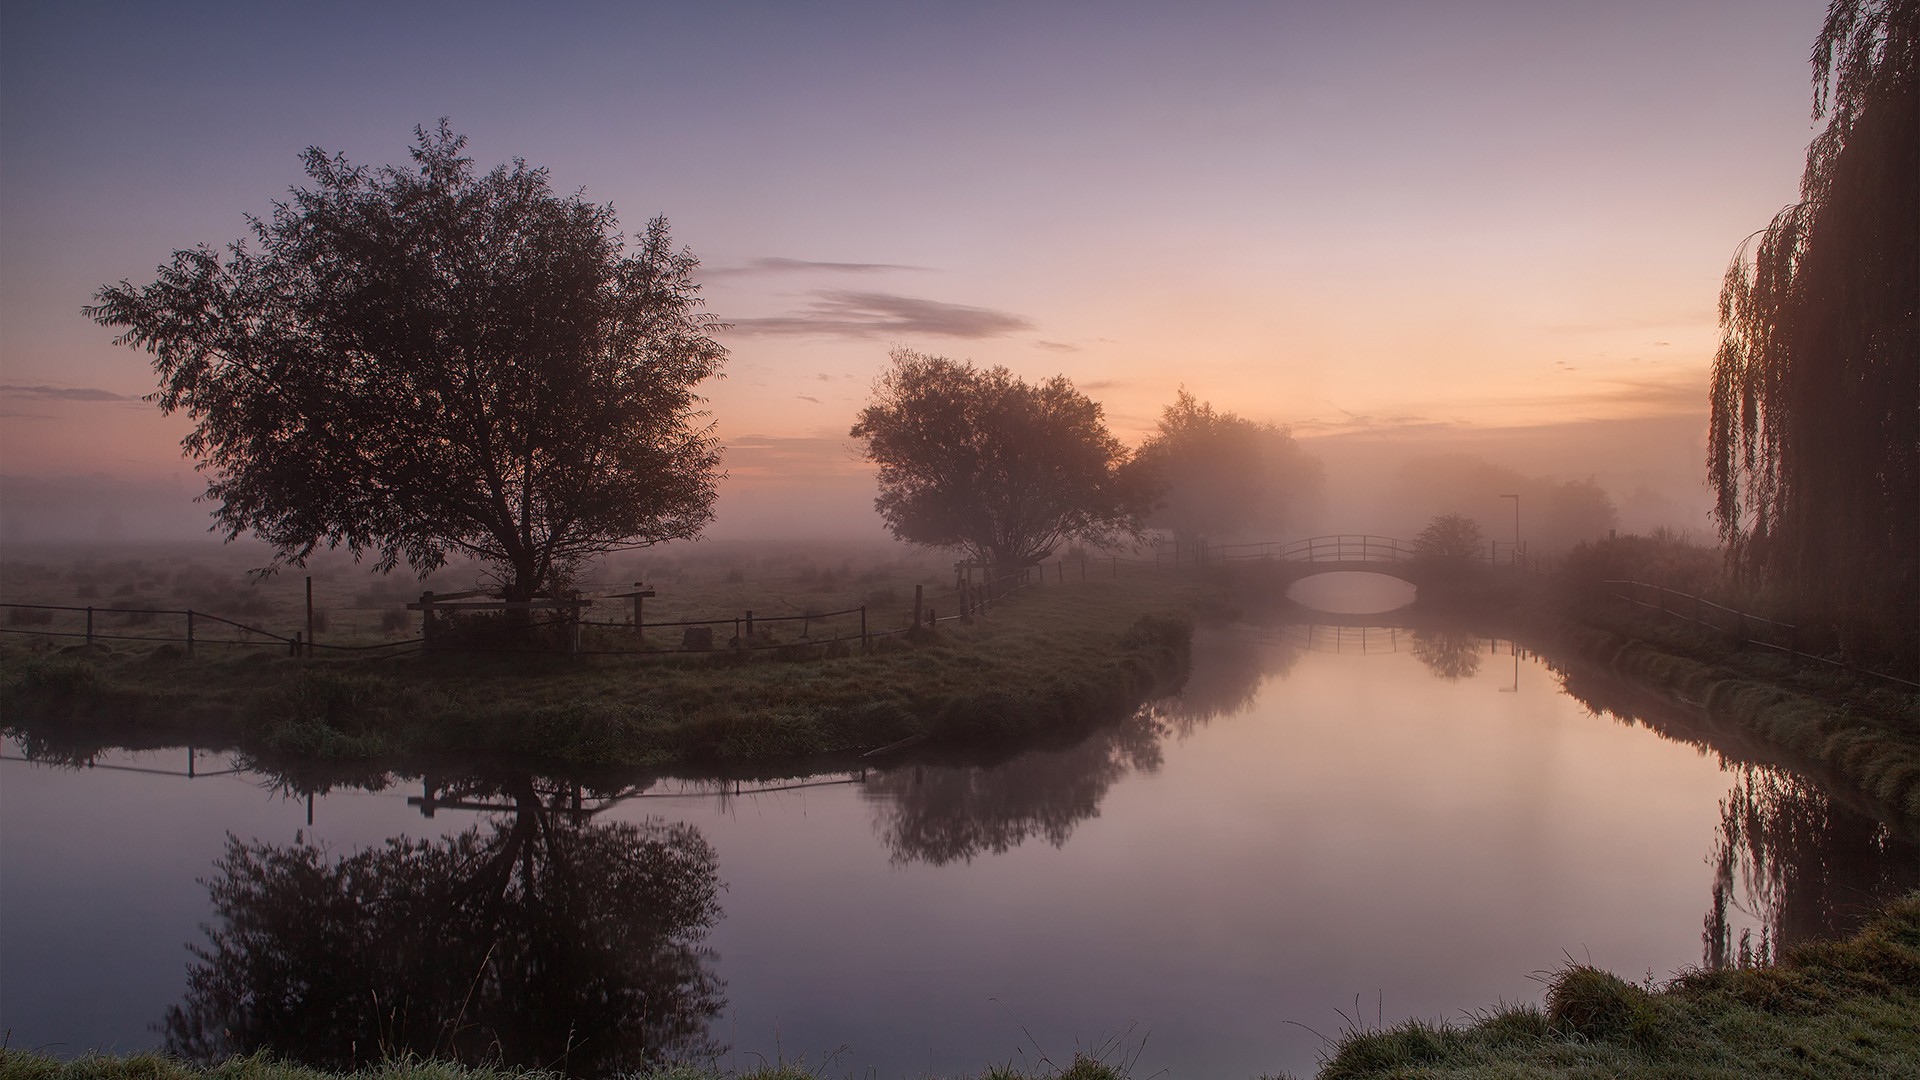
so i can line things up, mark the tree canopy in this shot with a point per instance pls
(1814, 447)
(1219, 474)
(542, 938)
(1451, 538)
(426, 361)
(986, 462)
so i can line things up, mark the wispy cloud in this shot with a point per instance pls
(1056, 346)
(62, 393)
(806, 397)
(837, 313)
(773, 264)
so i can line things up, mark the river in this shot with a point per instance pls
(1331, 825)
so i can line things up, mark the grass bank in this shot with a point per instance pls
(1827, 1009)
(1861, 733)
(1046, 660)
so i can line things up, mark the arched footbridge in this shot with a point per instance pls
(1335, 553)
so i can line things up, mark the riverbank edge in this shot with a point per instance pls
(1869, 746)
(24, 1065)
(1043, 666)
(1826, 1008)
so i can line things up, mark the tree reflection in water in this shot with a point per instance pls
(941, 814)
(1228, 668)
(543, 938)
(1450, 654)
(1801, 865)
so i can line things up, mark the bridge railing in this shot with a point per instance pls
(1339, 547)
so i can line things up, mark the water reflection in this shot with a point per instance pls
(542, 937)
(1450, 654)
(1229, 666)
(1799, 864)
(941, 814)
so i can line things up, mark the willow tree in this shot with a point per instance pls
(1814, 449)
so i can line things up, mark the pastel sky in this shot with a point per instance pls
(1342, 216)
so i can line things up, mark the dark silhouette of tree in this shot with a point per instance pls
(543, 940)
(424, 361)
(1800, 864)
(1219, 474)
(1814, 448)
(1449, 538)
(986, 462)
(941, 814)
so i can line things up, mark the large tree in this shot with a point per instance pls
(1219, 474)
(1814, 450)
(981, 460)
(426, 361)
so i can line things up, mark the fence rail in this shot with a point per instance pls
(976, 590)
(1672, 605)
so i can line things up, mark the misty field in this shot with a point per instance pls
(1048, 660)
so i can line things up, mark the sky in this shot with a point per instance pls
(1385, 224)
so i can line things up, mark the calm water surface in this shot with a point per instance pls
(1331, 822)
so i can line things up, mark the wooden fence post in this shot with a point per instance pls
(739, 643)
(189, 631)
(917, 591)
(639, 615)
(749, 624)
(1060, 572)
(309, 652)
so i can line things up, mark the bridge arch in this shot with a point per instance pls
(1334, 553)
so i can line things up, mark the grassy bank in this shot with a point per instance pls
(1845, 1008)
(1863, 734)
(1043, 661)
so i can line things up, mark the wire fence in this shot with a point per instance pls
(1743, 628)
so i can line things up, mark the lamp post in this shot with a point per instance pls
(1516, 528)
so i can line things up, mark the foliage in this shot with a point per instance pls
(1555, 514)
(1814, 448)
(543, 939)
(1219, 474)
(1845, 1008)
(986, 462)
(425, 361)
(1450, 538)
(1661, 557)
